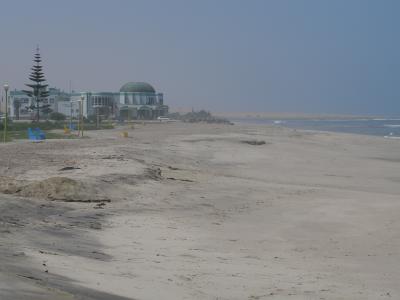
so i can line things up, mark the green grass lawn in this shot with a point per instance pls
(18, 131)
(23, 135)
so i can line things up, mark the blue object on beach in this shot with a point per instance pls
(36, 134)
(72, 126)
(31, 136)
(40, 134)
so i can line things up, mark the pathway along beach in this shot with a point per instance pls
(201, 211)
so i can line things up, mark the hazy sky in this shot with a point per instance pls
(340, 56)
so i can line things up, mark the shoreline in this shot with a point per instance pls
(297, 116)
(333, 126)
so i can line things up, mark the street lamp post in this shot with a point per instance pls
(81, 103)
(97, 118)
(80, 115)
(6, 86)
(70, 116)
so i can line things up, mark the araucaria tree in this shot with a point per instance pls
(38, 92)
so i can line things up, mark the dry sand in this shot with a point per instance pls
(195, 212)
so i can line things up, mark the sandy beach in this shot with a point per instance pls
(200, 211)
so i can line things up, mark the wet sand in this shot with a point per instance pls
(196, 212)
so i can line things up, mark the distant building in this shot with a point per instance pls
(135, 100)
(19, 103)
(140, 100)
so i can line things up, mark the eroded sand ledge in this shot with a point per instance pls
(197, 213)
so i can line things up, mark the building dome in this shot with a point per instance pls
(137, 87)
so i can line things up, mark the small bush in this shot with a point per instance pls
(198, 117)
(56, 116)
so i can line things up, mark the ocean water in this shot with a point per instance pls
(389, 127)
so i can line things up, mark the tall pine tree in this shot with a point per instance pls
(39, 92)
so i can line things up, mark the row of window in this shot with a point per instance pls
(26, 100)
(148, 100)
(101, 101)
(106, 101)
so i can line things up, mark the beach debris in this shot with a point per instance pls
(69, 168)
(173, 168)
(29, 277)
(100, 256)
(254, 142)
(117, 157)
(180, 179)
(47, 252)
(99, 205)
(152, 173)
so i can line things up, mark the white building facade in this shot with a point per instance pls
(19, 103)
(135, 100)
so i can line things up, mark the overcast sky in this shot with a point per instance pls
(311, 56)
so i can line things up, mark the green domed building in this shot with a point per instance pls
(139, 100)
(135, 100)
(137, 87)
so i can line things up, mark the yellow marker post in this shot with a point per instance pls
(66, 130)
